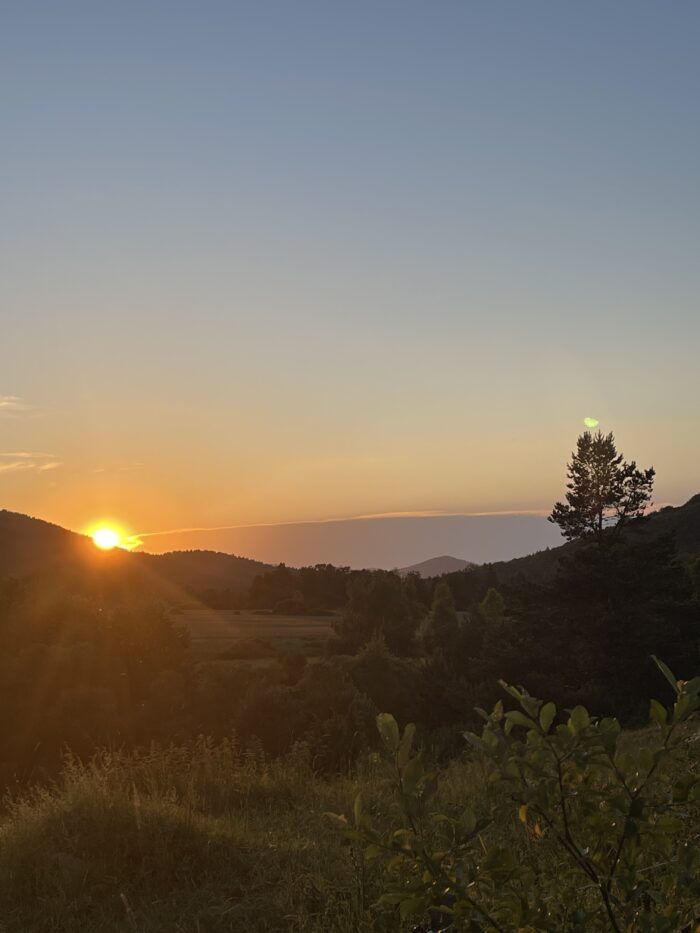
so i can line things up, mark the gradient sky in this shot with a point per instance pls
(267, 262)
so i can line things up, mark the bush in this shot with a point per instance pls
(605, 835)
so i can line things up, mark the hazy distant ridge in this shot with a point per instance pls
(437, 566)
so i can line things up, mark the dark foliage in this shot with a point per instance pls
(604, 493)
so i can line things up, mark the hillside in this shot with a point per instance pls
(683, 522)
(30, 547)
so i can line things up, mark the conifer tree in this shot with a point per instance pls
(604, 491)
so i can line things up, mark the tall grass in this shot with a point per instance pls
(200, 838)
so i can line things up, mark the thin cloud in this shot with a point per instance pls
(16, 466)
(352, 518)
(12, 405)
(23, 461)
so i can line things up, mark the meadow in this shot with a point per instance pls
(249, 634)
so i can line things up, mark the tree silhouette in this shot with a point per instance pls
(604, 491)
(440, 629)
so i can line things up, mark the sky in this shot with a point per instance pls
(289, 262)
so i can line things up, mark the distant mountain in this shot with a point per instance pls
(30, 547)
(437, 566)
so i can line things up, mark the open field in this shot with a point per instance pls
(253, 635)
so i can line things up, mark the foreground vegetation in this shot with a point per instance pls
(208, 837)
(616, 822)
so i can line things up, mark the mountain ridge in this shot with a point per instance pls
(32, 546)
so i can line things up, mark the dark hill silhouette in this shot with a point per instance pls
(437, 566)
(31, 547)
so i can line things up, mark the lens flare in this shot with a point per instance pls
(591, 422)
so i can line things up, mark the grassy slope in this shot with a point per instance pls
(205, 840)
(179, 841)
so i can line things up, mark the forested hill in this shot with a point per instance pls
(30, 547)
(683, 522)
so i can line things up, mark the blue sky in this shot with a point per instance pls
(286, 261)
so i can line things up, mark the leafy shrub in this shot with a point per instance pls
(581, 828)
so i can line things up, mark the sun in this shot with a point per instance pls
(106, 538)
(108, 535)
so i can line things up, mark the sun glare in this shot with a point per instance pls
(106, 538)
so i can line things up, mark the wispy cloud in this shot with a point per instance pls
(22, 461)
(12, 405)
(15, 466)
(375, 516)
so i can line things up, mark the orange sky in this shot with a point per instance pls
(290, 266)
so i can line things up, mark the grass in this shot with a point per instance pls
(206, 839)
(202, 839)
(214, 633)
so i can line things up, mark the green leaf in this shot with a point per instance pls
(473, 740)
(513, 691)
(520, 719)
(530, 705)
(668, 674)
(624, 762)
(388, 730)
(658, 713)
(547, 714)
(579, 719)
(684, 706)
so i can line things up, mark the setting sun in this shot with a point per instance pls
(106, 538)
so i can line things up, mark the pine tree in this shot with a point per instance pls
(604, 491)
